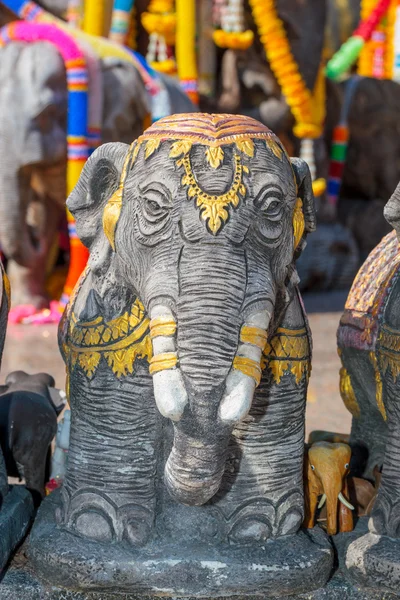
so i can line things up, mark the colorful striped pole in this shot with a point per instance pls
(29, 11)
(77, 145)
(120, 21)
(350, 50)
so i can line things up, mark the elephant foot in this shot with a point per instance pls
(373, 562)
(263, 519)
(97, 517)
(385, 517)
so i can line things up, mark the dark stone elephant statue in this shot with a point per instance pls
(29, 406)
(188, 356)
(369, 347)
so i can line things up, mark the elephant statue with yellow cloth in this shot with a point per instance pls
(188, 354)
(369, 347)
(325, 472)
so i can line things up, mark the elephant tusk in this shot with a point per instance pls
(169, 388)
(345, 502)
(322, 501)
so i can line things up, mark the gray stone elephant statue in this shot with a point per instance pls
(188, 354)
(369, 347)
(33, 151)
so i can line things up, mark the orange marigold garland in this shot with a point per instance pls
(308, 109)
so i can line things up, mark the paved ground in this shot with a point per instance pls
(35, 349)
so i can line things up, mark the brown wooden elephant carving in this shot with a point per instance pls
(325, 476)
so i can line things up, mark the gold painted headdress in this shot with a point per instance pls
(212, 131)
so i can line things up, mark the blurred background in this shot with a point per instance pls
(322, 74)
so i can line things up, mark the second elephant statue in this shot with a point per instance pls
(33, 150)
(369, 346)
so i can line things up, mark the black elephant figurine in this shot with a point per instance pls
(369, 347)
(29, 406)
(188, 354)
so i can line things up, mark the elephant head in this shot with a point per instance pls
(200, 218)
(326, 468)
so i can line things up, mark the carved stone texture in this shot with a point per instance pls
(369, 343)
(188, 355)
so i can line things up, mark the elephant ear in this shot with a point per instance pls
(99, 181)
(305, 192)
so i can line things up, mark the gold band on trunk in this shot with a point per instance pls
(254, 336)
(248, 367)
(162, 326)
(162, 362)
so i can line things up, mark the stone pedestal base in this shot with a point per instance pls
(373, 561)
(20, 584)
(15, 517)
(286, 566)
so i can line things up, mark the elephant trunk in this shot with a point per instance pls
(15, 238)
(333, 486)
(212, 289)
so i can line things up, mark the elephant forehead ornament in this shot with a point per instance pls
(213, 132)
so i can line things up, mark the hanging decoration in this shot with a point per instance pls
(77, 144)
(160, 24)
(349, 52)
(120, 21)
(340, 140)
(231, 33)
(308, 109)
(75, 13)
(186, 47)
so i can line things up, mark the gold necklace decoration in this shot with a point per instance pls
(288, 351)
(212, 207)
(120, 341)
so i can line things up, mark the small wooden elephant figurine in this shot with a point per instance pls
(325, 470)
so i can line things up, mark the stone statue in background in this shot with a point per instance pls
(188, 355)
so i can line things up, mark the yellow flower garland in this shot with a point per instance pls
(308, 109)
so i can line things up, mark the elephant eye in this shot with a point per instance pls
(312, 467)
(270, 203)
(155, 205)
